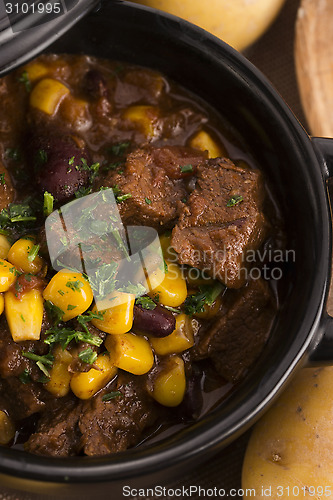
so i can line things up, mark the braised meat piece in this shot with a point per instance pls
(57, 433)
(155, 179)
(7, 192)
(221, 221)
(236, 339)
(118, 424)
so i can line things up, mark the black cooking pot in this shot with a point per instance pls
(297, 167)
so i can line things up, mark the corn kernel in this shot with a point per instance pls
(47, 95)
(70, 292)
(60, 377)
(2, 303)
(8, 275)
(146, 117)
(204, 142)
(86, 384)
(173, 290)
(168, 252)
(130, 352)
(7, 428)
(25, 315)
(170, 383)
(118, 318)
(4, 246)
(178, 341)
(21, 254)
(36, 70)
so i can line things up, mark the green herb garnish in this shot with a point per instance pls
(48, 204)
(64, 336)
(54, 313)
(33, 252)
(119, 149)
(24, 78)
(208, 294)
(24, 377)
(2, 179)
(148, 201)
(111, 395)
(88, 356)
(75, 285)
(186, 168)
(41, 361)
(234, 200)
(146, 303)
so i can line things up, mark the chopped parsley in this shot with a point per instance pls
(88, 356)
(111, 395)
(2, 179)
(24, 377)
(41, 361)
(64, 336)
(146, 302)
(123, 197)
(24, 78)
(33, 252)
(208, 294)
(48, 204)
(186, 168)
(54, 313)
(234, 200)
(75, 285)
(148, 201)
(119, 149)
(70, 307)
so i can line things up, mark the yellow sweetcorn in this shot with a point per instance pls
(118, 318)
(24, 255)
(145, 117)
(179, 340)
(70, 292)
(173, 290)
(85, 384)
(7, 428)
(36, 70)
(204, 142)
(8, 274)
(130, 352)
(60, 376)
(168, 252)
(2, 303)
(25, 315)
(47, 95)
(4, 246)
(169, 384)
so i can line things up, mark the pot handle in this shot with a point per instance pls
(323, 351)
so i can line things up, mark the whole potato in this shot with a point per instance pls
(290, 452)
(237, 22)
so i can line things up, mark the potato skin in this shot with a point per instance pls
(292, 445)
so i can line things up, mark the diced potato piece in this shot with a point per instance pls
(22, 255)
(86, 384)
(7, 428)
(60, 376)
(118, 318)
(178, 341)
(170, 383)
(130, 352)
(70, 292)
(173, 290)
(47, 95)
(4, 246)
(8, 274)
(36, 70)
(24, 315)
(204, 142)
(146, 117)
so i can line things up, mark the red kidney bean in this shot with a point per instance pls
(158, 322)
(58, 165)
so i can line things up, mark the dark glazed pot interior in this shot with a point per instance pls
(239, 92)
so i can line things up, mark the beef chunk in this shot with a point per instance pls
(22, 400)
(118, 424)
(154, 179)
(213, 236)
(236, 339)
(7, 192)
(57, 432)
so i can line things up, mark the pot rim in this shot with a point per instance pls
(215, 428)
